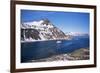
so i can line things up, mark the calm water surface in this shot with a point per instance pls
(43, 49)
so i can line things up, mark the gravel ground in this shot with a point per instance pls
(80, 54)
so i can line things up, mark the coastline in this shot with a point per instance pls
(44, 40)
(80, 54)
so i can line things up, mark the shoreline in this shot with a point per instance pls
(80, 54)
(44, 40)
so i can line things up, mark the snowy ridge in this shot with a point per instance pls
(40, 30)
(77, 34)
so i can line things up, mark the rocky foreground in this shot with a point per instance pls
(80, 54)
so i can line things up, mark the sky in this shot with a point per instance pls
(66, 21)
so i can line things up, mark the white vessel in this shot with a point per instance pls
(58, 42)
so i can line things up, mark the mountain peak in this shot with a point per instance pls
(41, 30)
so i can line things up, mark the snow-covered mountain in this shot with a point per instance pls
(76, 34)
(41, 30)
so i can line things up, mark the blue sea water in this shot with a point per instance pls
(43, 49)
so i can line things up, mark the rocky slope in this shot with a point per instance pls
(80, 54)
(41, 30)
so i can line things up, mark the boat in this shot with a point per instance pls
(59, 42)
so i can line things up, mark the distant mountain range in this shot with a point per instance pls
(41, 30)
(76, 34)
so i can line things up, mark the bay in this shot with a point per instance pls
(43, 49)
